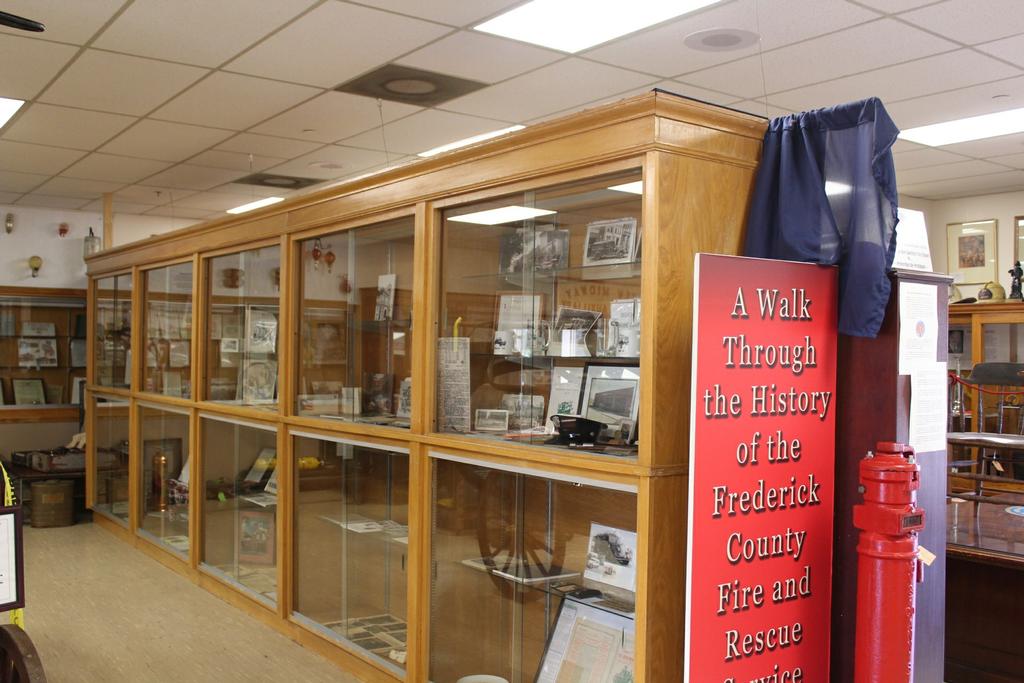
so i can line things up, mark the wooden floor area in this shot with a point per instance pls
(99, 610)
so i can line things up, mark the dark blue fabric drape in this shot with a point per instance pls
(826, 193)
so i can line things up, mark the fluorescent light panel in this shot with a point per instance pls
(260, 203)
(632, 188)
(8, 108)
(965, 130)
(574, 25)
(504, 214)
(470, 141)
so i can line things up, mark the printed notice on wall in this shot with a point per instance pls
(928, 405)
(919, 326)
(762, 461)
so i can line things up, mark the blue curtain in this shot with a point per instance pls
(826, 193)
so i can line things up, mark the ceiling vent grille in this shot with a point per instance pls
(410, 86)
(282, 182)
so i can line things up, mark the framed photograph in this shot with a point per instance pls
(575, 319)
(971, 251)
(78, 390)
(490, 420)
(525, 411)
(259, 381)
(260, 331)
(77, 352)
(326, 343)
(589, 644)
(611, 394)
(611, 557)
(37, 353)
(28, 392)
(384, 308)
(38, 329)
(609, 242)
(956, 342)
(256, 541)
(523, 249)
(12, 559)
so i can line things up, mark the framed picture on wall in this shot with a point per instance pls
(28, 392)
(971, 251)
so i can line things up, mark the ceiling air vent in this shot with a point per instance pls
(411, 86)
(283, 182)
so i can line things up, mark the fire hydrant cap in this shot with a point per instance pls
(893, 447)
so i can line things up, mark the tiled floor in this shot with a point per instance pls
(99, 610)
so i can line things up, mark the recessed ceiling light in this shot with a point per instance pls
(721, 39)
(504, 214)
(574, 25)
(259, 203)
(965, 130)
(470, 141)
(8, 108)
(327, 165)
(632, 188)
(410, 86)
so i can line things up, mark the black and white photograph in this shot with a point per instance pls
(611, 394)
(524, 249)
(259, 381)
(260, 331)
(609, 242)
(491, 420)
(525, 412)
(514, 252)
(611, 557)
(575, 319)
(384, 309)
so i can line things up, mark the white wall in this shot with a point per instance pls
(35, 234)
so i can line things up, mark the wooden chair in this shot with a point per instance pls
(996, 452)
(19, 661)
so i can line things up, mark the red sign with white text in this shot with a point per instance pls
(762, 458)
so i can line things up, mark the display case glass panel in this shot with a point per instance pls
(42, 351)
(239, 515)
(351, 543)
(512, 554)
(244, 292)
(540, 316)
(355, 349)
(111, 483)
(168, 330)
(113, 331)
(164, 469)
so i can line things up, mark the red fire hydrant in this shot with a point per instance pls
(887, 568)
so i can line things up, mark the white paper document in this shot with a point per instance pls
(928, 402)
(919, 326)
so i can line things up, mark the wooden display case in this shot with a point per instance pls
(620, 199)
(42, 354)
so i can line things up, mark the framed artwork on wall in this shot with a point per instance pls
(971, 251)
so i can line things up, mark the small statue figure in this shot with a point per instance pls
(1017, 272)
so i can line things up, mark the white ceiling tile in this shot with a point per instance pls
(151, 194)
(253, 192)
(989, 147)
(335, 42)
(163, 140)
(479, 57)
(8, 197)
(37, 63)
(661, 50)
(52, 202)
(906, 146)
(964, 187)
(181, 212)
(214, 201)
(119, 83)
(216, 158)
(349, 159)
(896, 6)
(233, 101)
(20, 182)
(194, 31)
(960, 169)
(970, 21)
(118, 207)
(1010, 49)
(108, 167)
(760, 108)
(423, 131)
(863, 47)
(188, 177)
(564, 84)
(27, 158)
(454, 12)
(687, 90)
(919, 158)
(47, 124)
(333, 116)
(1012, 160)
(920, 77)
(77, 187)
(250, 143)
(66, 22)
(969, 101)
